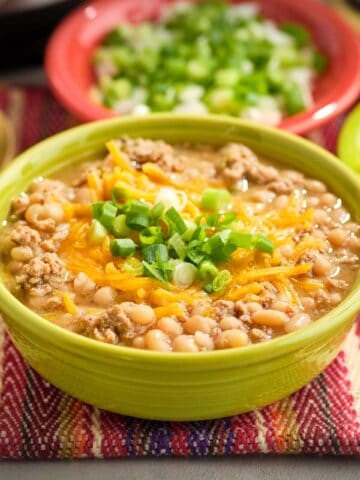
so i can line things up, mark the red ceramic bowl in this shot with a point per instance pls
(69, 52)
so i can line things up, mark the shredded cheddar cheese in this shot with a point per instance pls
(69, 303)
(95, 183)
(170, 309)
(236, 293)
(119, 157)
(135, 193)
(155, 173)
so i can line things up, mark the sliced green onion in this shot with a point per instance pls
(97, 232)
(169, 267)
(119, 227)
(175, 220)
(190, 230)
(221, 281)
(209, 220)
(136, 206)
(97, 209)
(184, 274)
(219, 248)
(300, 35)
(157, 210)
(151, 270)
(177, 244)
(137, 221)
(134, 266)
(241, 239)
(294, 99)
(109, 212)
(199, 234)
(194, 252)
(225, 219)
(154, 252)
(122, 247)
(216, 220)
(117, 194)
(208, 288)
(171, 264)
(138, 215)
(151, 235)
(263, 243)
(215, 199)
(203, 56)
(207, 270)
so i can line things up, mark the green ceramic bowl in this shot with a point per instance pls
(349, 141)
(177, 386)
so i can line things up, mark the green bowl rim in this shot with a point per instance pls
(347, 140)
(27, 320)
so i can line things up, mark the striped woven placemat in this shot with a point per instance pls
(39, 421)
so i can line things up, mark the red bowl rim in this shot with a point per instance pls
(67, 91)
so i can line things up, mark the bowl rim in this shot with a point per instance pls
(65, 340)
(348, 144)
(80, 104)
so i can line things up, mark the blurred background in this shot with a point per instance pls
(25, 26)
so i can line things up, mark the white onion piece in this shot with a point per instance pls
(245, 10)
(140, 109)
(172, 198)
(184, 274)
(195, 107)
(192, 93)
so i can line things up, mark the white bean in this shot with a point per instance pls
(139, 342)
(83, 195)
(141, 314)
(231, 339)
(328, 200)
(270, 318)
(297, 321)
(322, 266)
(230, 323)
(315, 186)
(21, 254)
(338, 237)
(83, 285)
(204, 341)
(170, 326)
(198, 323)
(157, 340)
(105, 296)
(54, 211)
(185, 343)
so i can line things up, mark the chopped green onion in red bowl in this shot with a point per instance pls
(293, 64)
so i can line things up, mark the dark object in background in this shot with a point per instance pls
(354, 3)
(25, 26)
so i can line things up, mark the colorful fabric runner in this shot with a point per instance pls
(39, 421)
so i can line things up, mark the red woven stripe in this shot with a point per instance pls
(341, 407)
(244, 434)
(179, 440)
(40, 418)
(83, 437)
(12, 401)
(113, 428)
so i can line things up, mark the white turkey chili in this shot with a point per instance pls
(183, 248)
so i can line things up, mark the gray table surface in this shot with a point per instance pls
(243, 468)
